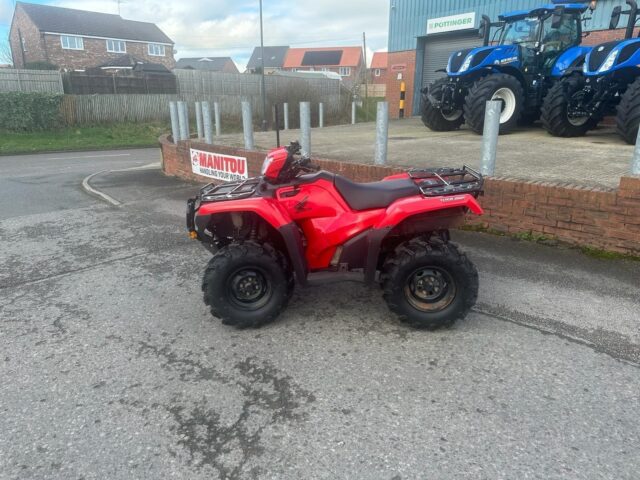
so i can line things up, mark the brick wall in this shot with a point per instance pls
(382, 79)
(601, 36)
(407, 58)
(607, 219)
(22, 26)
(95, 53)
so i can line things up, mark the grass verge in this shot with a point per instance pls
(122, 135)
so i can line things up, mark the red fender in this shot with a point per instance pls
(410, 206)
(267, 208)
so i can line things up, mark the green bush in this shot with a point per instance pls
(28, 112)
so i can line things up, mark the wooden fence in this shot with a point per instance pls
(96, 109)
(77, 83)
(30, 81)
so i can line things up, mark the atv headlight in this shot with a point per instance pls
(608, 63)
(467, 63)
(265, 165)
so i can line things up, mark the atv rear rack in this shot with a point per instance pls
(448, 181)
(229, 191)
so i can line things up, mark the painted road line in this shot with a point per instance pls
(86, 183)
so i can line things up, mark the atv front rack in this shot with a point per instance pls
(448, 181)
(229, 191)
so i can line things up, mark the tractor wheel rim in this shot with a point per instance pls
(451, 116)
(508, 99)
(249, 289)
(430, 289)
(578, 121)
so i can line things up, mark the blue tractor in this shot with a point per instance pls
(608, 85)
(534, 49)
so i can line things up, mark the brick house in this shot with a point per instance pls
(379, 68)
(273, 59)
(345, 61)
(77, 39)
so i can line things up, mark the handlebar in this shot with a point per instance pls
(303, 163)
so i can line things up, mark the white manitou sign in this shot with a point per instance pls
(463, 21)
(218, 165)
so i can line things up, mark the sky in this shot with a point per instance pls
(231, 28)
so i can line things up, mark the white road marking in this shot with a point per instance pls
(104, 196)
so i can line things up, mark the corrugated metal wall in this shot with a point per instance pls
(408, 18)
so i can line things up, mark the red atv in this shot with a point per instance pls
(269, 232)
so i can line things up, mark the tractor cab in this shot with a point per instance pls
(528, 53)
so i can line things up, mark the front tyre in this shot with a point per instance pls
(501, 87)
(437, 119)
(628, 117)
(247, 284)
(429, 284)
(559, 107)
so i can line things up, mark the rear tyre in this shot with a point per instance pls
(499, 86)
(429, 284)
(436, 119)
(555, 108)
(628, 117)
(247, 284)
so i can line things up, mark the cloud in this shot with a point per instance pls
(231, 28)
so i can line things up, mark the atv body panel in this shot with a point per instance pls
(328, 222)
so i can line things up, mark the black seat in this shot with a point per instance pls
(367, 196)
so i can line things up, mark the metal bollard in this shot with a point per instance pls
(305, 128)
(353, 113)
(175, 124)
(199, 119)
(216, 113)
(247, 125)
(320, 115)
(183, 117)
(635, 163)
(490, 134)
(286, 116)
(206, 123)
(382, 133)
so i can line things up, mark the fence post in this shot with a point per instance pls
(305, 128)
(382, 133)
(206, 123)
(321, 115)
(175, 124)
(635, 163)
(199, 119)
(216, 112)
(286, 116)
(353, 113)
(247, 125)
(490, 137)
(183, 116)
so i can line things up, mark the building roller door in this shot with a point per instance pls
(437, 50)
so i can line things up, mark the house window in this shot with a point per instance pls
(24, 44)
(345, 71)
(376, 72)
(156, 50)
(116, 46)
(71, 43)
(325, 69)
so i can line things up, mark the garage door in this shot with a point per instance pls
(438, 49)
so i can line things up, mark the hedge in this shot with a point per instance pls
(28, 112)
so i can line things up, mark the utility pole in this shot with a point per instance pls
(264, 92)
(366, 78)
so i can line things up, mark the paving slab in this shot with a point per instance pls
(598, 159)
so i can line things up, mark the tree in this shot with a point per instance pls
(5, 52)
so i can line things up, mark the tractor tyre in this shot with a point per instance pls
(429, 284)
(628, 117)
(436, 119)
(247, 284)
(500, 86)
(555, 118)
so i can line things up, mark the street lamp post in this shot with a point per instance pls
(264, 92)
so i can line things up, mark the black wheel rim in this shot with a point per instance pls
(430, 289)
(249, 288)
